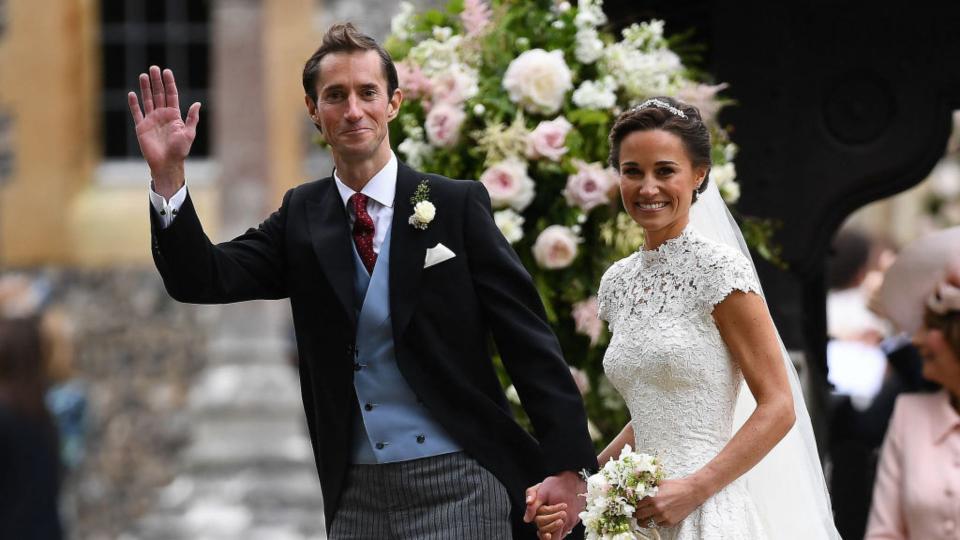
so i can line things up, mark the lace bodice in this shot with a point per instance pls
(668, 361)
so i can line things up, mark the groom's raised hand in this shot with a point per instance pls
(164, 138)
(559, 491)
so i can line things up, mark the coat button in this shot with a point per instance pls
(421, 438)
(368, 407)
(380, 446)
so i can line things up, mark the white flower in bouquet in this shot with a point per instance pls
(401, 22)
(416, 152)
(435, 57)
(549, 139)
(510, 224)
(642, 74)
(443, 124)
(646, 35)
(725, 175)
(538, 80)
(590, 14)
(613, 494)
(508, 184)
(589, 45)
(599, 94)
(556, 247)
(590, 186)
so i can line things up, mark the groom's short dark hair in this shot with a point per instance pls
(344, 37)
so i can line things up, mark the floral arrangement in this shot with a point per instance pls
(521, 95)
(613, 494)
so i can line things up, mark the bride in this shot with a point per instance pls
(689, 325)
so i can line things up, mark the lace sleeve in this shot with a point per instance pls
(724, 271)
(607, 295)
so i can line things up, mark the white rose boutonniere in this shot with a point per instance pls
(423, 210)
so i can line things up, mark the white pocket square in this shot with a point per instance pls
(437, 254)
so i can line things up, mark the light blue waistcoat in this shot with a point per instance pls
(391, 424)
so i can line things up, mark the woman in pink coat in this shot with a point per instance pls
(917, 491)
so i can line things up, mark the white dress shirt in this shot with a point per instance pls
(380, 191)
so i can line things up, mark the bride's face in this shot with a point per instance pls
(657, 181)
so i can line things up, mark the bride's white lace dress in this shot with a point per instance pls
(668, 361)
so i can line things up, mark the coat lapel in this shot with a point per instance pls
(330, 235)
(407, 251)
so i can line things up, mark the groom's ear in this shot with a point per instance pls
(393, 106)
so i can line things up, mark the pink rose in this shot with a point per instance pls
(508, 184)
(556, 247)
(590, 186)
(443, 125)
(455, 85)
(412, 80)
(587, 320)
(549, 139)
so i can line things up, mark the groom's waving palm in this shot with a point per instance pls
(164, 137)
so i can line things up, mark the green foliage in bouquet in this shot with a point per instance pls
(521, 95)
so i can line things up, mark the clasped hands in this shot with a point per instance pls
(556, 513)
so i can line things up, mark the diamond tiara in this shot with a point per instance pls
(660, 104)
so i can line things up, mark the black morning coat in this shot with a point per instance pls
(442, 317)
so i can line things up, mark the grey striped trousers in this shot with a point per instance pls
(435, 498)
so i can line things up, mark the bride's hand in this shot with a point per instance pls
(550, 521)
(674, 501)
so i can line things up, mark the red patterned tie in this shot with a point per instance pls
(363, 231)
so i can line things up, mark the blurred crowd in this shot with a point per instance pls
(42, 409)
(894, 450)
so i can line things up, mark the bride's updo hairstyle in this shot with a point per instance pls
(670, 115)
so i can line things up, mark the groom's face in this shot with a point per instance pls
(353, 109)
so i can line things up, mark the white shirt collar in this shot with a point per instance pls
(381, 188)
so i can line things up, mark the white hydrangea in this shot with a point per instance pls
(436, 57)
(416, 152)
(589, 45)
(590, 14)
(642, 74)
(596, 94)
(400, 24)
(646, 35)
(442, 33)
(510, 224)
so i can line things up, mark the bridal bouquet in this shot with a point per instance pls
(613, 494)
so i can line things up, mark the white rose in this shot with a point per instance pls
(508, 184)
(510, 224)
(549, 139)
(425, 211)
(538, 80)
(556, 247)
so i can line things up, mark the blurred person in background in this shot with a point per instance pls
(863, 402)
(29, 462)
(918, 477)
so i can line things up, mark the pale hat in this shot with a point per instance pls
(918, 279)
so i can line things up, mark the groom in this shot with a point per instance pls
(393, 303)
